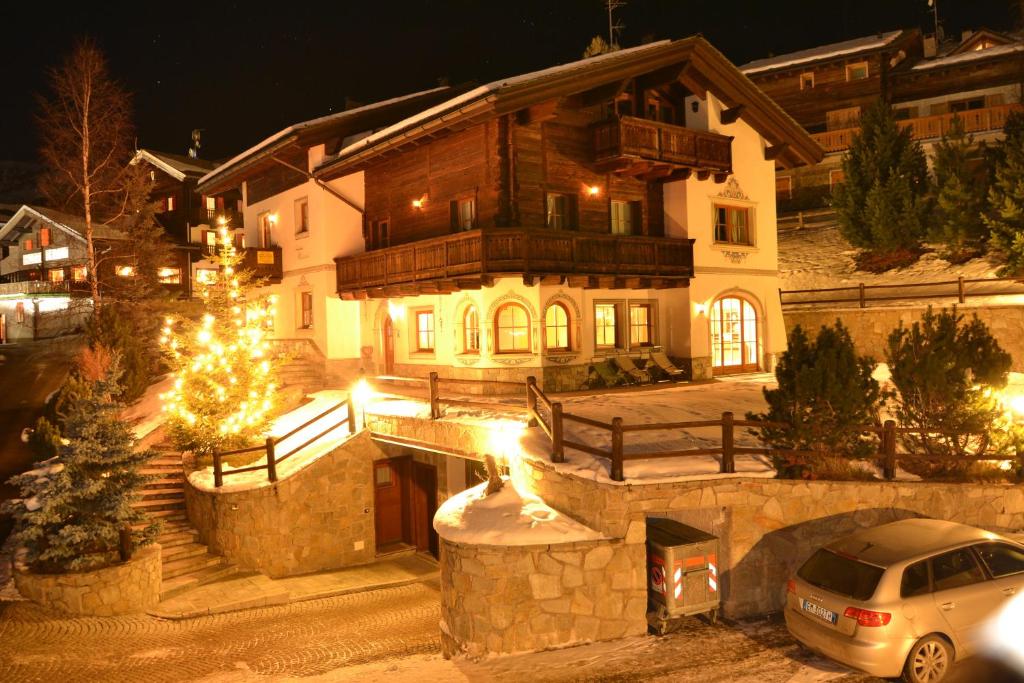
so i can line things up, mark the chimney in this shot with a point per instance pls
(930, 47)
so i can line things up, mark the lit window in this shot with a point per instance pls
(27, 245)
(169, 276)
(125, 271)
(471, 330)
(732, 225)
(56, 275)
(79, 273)
(857, 72)
(301, 216)
(624, 217)
(605, 320)
(556, 328)
(641, 323)
(169, 203)
(512, 329)
(807, 80)
(32, 259)
(557, 214)
(463, 214)
(211, 203)
(56, 254)
(306, 304)
(44, 237)
(205, 276)
(19, 312)
(424, 330)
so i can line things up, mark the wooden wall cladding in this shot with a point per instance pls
(276, 178)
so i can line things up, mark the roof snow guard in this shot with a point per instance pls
(700, 67)
(822, 52)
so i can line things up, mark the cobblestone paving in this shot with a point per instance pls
(299, 640)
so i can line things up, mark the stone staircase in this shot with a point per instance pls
(304, 372)
(187, 562)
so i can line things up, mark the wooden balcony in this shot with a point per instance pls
(265, 262)
(660, 151)
(927, 127)
(29, 288)
(470, 260)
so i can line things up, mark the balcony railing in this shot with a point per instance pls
(927, 127)
(264, 261)
(630, 137)
(516, 251)
(31, 287)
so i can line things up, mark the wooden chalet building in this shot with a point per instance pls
(534, 224)
(826, 88)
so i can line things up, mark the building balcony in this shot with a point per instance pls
(265, 262)
(30, 288)
(927, 127)
(651, 150)
(472, 259)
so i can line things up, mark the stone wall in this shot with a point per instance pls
(870, 327)
(124, 588)
(502, 599)
(321, 517)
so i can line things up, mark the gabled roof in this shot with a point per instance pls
(822, 52)
(175, 165)
(693, 59)
(968, 43)
(970, 56)
(27, 218)
(348, 122)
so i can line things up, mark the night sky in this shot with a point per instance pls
(241, 73)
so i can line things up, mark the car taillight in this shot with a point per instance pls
(791, 586)
(866, 617)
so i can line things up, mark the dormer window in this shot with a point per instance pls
(857, 71)
(807, 80)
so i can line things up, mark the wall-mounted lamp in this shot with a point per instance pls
(695, 106)
(593, 190)
(700, 309)
(272, 218)
(419, 202)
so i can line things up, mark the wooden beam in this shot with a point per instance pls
(487, 280)
(703, 175)
(678, 174)
(657, 172)
(529, 280)
(580, 281)
(602, 93)
(691, 79)
(721, 178)
(552, 279)
(732, 114)
(663, 76)
(469, 283)
(773, 152)
(538, 113)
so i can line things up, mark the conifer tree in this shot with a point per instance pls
(224, 378)
(1005, 217)
(76, 504)
(882, 201)
(960, 195)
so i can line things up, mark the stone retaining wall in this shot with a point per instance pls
(124, 588)
(502, 599)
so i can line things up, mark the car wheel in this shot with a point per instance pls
(929, 661)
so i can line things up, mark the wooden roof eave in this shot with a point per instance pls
(243, 169)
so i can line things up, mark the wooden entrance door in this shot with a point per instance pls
(388, 499)
(734, 340)
(388, 339)
(424, 505)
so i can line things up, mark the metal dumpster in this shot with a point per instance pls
(682, 573)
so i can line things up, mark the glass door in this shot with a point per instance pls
(733, 336)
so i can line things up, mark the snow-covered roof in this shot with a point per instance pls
(72, 225)
(174, 165)
(304, 125)
(971, 56)
(821, 52)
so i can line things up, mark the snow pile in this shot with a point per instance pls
(506, 518)
(146, 414)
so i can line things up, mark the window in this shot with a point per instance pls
(44, 237)
(843, 575)
(605, 320)
(955, 569)
(210, 203)
(19, 312)
(210, 241)
(915, 580)
(306, 305)
(169, 276)
(556, 328)
(79, 273)
(301, 216)
(265, 221)
(732, 225)
(558, 212)
(512, 329)
(857, 71)
(463, 214)
(625, 217)
(807, 80)
(380, 234)
(1001, 559)
(424, 330)
(205, 276)
(56, 275)
(967, 105)
(125, 271)
(169, 203)
(382, 475)
(27, 245)
(641, 325)
(784, 187)
(471, 330)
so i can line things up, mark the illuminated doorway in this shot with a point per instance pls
(733, 336)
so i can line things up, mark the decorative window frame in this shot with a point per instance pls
(804, 77)
(413, 317)
(491, 327)
(854, 65)
(296, 213)
(496, 331)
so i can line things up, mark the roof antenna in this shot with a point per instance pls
(193, 151)
(614, 25)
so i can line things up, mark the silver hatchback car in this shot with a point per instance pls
(906, 598)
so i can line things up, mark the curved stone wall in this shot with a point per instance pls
(126, 588)
(503, 599)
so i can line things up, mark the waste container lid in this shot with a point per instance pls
(668, 532)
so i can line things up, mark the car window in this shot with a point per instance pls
(839, 574)
(955, 569)
(915, 580)
(1001, 559)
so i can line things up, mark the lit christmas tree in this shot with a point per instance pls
(224, 377)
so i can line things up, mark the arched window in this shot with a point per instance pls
(556, 327)
(471, 330)
(734, 343)
(512, 329)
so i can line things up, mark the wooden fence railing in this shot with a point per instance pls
(861, 294)
(271, 443)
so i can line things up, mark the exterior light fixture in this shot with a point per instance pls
(272, 218)
(700, 309)
(418, 202)
(593, 190)
(222, 221)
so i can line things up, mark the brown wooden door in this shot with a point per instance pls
(424, 505)
(387, 501)
(388, 334)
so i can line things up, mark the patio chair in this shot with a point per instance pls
(627, 365)
(662, 361)
(611, 376)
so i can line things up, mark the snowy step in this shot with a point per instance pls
(170, 587)
(189, 565)
(162, 473)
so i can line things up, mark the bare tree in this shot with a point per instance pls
(86, 131)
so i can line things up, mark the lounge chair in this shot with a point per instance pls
(662, 361)
(610, 375)
(627, 365)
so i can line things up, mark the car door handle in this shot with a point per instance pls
(1010, 591)
(948, 605)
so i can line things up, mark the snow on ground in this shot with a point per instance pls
(506, 518)
(146, 414)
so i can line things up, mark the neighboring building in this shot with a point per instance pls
(535, 224)
(826, 88)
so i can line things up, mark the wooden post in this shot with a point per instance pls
(960, 289)
(124, 543)
(863, 303)
(271, 462)
(352, 414)
(616, 472)
(218, 471)
(889, 450)
(557, 447)
(435, 402)
(531, 401)
(728, 452)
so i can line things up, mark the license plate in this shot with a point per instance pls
(819, 611)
